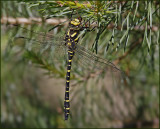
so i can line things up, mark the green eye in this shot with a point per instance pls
(76, 20)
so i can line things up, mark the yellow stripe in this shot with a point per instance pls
(67, 91)
(70, 60)
(70, 51)
(67, 113)
(67, 100)
(76, 39)
(67, 108)
(69, 65)
(68, 76)
(68, 70)
(69, 44)
(73, 34)
(67, 81)
(68, 33)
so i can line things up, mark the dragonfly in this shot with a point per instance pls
(44, 43)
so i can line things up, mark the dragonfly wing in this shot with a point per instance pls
(46, 45)
(89, 60)
(32, 33)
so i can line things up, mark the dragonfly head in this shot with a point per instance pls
(76, 22)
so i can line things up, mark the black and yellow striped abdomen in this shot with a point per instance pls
(66, 100)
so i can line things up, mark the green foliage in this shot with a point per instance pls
(126, 33)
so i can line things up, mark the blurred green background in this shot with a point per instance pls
(30, 98)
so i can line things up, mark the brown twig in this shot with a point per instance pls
(54, 21)
(32, 20)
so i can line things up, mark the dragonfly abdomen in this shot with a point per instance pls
(66, 100)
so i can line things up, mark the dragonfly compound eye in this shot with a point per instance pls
(75, 22)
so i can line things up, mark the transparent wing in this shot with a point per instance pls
(46, 45)
(32, 33)
(88, 60)
(89, 65)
